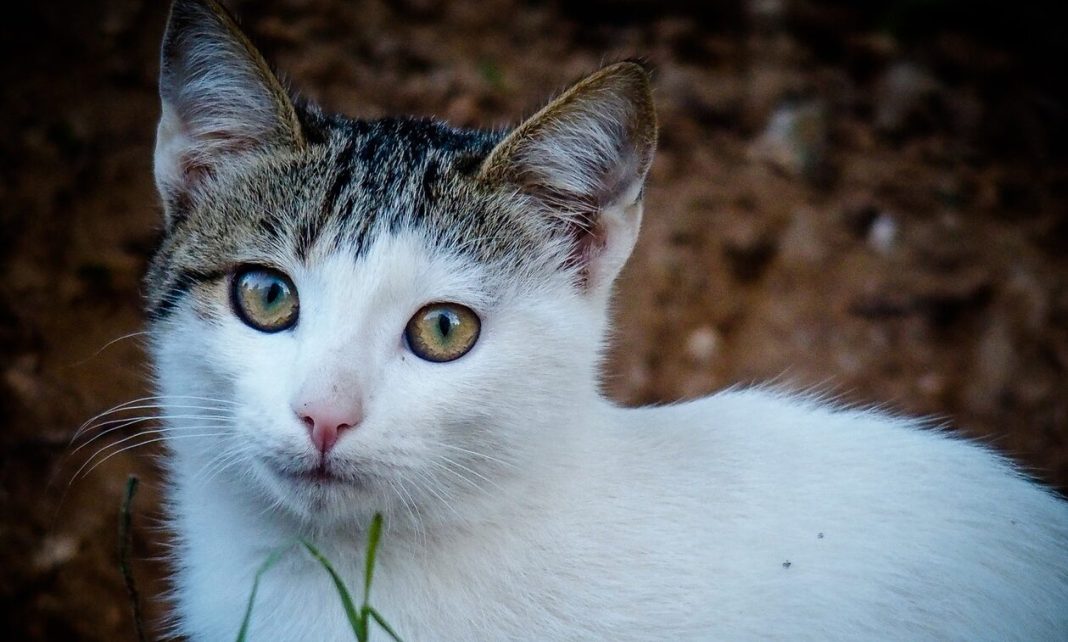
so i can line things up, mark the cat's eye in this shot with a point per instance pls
(264, 299)
(442, 331)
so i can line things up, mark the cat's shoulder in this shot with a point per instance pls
(773, 431)
(777, 409)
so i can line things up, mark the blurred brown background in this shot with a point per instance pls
(868, 201)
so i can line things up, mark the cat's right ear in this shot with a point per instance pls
(219, 100)
(583, 158)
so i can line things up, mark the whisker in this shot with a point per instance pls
(105, 347)
(228, 457)
(132, 446)
(158, 431)
(409, 504)
(396, 491)
(136, 420)
(152, 407)
(475, 453)
(428, 486)
(126, 406)
(448, 460)
(111, 422)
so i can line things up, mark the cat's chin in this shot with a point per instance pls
(314, 492)
(315, 478)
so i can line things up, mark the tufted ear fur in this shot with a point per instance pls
(219, 100)
(584, 157)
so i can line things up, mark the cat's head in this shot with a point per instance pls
(354, 316)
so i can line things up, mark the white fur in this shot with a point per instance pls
(520, 504)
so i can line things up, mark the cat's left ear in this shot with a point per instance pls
(583, 158)
(220, 101)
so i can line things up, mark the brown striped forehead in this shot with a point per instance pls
(356, 181)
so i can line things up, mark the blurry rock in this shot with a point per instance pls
(55, 551)
(882, 234)
(902, 96)
(703, 344)
(23, 378)
(932, 384)
(795, 139)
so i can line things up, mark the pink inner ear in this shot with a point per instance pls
(587, 240)
(194, 163)
(194, 169)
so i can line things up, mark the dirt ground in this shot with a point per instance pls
(871, 204)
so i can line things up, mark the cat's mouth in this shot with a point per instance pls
(321, 475)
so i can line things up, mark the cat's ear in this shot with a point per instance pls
(583, 158)
(219, 100)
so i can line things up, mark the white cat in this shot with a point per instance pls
(394, 316)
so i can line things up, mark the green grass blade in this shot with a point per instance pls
(382, 623)
(125, 541)
(372, 546)
(358, 626)
(271, 560)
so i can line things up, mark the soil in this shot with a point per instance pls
(868, 204)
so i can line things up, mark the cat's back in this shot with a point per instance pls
(852, 521)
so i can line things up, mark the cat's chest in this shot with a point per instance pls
(479, 591)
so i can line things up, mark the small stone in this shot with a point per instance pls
(795, 139)
(55, 550)
(883, 233)
(932, 384)
(703, 344)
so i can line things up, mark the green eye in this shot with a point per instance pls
(442, 331)
(264, 299)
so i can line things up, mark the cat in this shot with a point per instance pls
(394, 316)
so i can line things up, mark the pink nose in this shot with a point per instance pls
(325, 423)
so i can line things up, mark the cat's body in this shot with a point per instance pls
(399, 317)
(744, 516)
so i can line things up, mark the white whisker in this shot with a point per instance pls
(106, 346)
(136, 420)
(445, 466)
(475, 453)
(429, 487)
(160, 431)
(126, 405)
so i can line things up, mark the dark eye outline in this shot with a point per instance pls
(239, 308)
(418, 350)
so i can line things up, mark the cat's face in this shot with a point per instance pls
(350, 316)
(423, 430)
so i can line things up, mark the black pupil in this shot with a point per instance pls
(273, 292)
(444, 324)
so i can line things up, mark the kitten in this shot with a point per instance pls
(398, 316)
